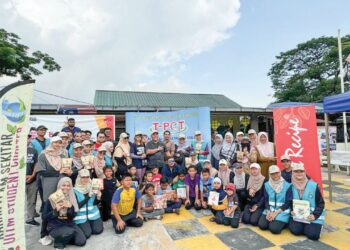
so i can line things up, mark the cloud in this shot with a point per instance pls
(120, 45)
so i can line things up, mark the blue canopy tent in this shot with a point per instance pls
(334, 104)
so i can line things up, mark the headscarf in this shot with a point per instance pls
(224, 175)
(255, 182)
(267, 149)
(77, 162)
(99, 164)
(299, 184)
(70, 196)
(228, 149)
(239, 179)
(221, 191)
(53, 157)
(277, 186)
(182, 146)
(84, 189)
(123, 148)
(107, 145)
(215, 150)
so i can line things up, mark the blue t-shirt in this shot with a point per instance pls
(206, 186)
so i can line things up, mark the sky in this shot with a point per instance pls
(184, 46)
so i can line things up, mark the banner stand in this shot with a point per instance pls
(328, 160)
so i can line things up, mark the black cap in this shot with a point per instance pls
(41, 127)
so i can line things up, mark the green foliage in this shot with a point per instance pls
(14, 58)
(11, 129)
(310, 71)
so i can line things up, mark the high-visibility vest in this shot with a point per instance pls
(87, 212)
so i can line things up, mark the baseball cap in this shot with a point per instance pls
(274, 169)
(84, 172)
(255, 165)
(138, 133)
(206, 161)
(297, 166)
(251, 131)
(63, 134)
(87, 142)
(101, 148)
(239, 133)
(197, 132)
(237, 165)
(285, 157)
(154, 131)
(56, 138)
(123, 135)
(41, 127)
(222, 161)
(77, 145)
(230, 186)
(182, 136)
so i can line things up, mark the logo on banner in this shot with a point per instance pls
(15, 111)
(173, 127)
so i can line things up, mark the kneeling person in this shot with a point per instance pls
(122, 205)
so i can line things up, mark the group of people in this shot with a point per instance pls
(236, 179)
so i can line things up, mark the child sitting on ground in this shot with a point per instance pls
(179, 186)
(146, 180)
(192, 180)
(232, 213)
(110, 184)
(173, 203)
(132, 171)
(206, 185)
(148, 210)
(218, 210)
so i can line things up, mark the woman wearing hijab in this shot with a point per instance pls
(229, 149)
(255, 199)
(59, 217)
(77, 163)
(215, 151)
(138, 155)
(122, 155)
(218, 210)
(240, 179)
(88, 216)
(225, 174)
(213, 172)
(276, 215)
(182, 150)
(265, 153)
(48, 169)
(108, 145)
(99, 163)
(307, 190)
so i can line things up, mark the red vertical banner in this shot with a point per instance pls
(296, 136)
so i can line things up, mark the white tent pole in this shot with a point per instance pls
(328, 158)
(341, 74)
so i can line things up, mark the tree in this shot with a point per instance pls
(14, 58)
(310, 71)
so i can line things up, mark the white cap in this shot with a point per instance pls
(123, 135)
(285, 157)
(255, 165)
(197, 132)
(77, 145)
(138, 133)
(182, 136)
(101, 148)
(63, 134)
(298, 166)
(239, 133)
(154, 131)
(251, 131)
(87, 142)
(206, 161)
(274, 169)
(223, 161)
(56, 138)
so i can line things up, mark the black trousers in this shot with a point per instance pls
(193, 204)
(251, 218)
(43, 230)
(233, 222)
(91, 227)
(105, 210)
(242, 198)
(70, 234)
(129, 219)
(274, 226)
(312, 230)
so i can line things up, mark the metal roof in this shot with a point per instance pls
(139, 100)
(318, 105)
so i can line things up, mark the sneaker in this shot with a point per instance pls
(177, 211)
(32, 222)
(158, 217)
(45, 241)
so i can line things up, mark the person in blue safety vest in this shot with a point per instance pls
(306, 190)
(276, 215)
